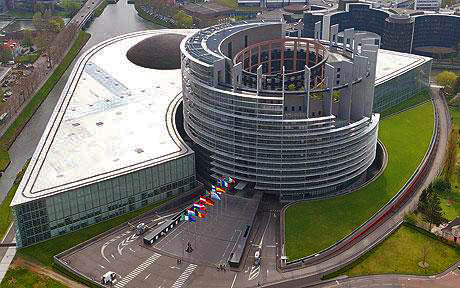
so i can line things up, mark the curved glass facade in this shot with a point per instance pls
(252, 136)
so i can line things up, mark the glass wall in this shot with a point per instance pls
(402, 87)
(75, 209)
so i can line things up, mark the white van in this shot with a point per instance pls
(108, 277)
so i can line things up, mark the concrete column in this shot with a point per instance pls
(348, 35)
(294, 58)
(318, 30)
(358, 41)
(306, 85)
(218, 69)
(259, 79)
(269, 58)
(237, 74)
(357, 99)
(327, 98)
(371, 52)
(347, 92)
(333, 36)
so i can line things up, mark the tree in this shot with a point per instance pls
(430, 206)
(28, 38)
(441, 186)
(451, 154)
(56, 24)
(183, 20)
(5, 54)
(447, 79)
(70, 6)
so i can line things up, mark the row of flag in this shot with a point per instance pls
(199, 208)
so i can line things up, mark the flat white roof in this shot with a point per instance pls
(391, 64)
(113, 117)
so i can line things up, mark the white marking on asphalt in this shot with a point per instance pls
(126, 242)
(147, 276)
(138, 270)
(102, 266)
(234, 279)
(174, 267)
(184, 276)
(255, 271)
(130, 249)
(113, 256)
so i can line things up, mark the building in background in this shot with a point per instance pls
(428, 5)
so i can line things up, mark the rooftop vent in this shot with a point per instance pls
(99, 123)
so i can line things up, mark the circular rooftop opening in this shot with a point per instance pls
(160, 52)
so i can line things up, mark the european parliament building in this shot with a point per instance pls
(142, 113)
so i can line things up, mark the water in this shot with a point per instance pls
(117, 19)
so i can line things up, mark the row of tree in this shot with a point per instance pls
(166, 8)
(55, 45)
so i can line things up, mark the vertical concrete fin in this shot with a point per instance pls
(346, 93)
(317, 30)
(327, 98)
(306, 85)
(237, 74)
(360, 64)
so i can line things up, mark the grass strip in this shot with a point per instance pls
(400, 254)
(4, 160)
(5, 211)
(100, 8)
(311, 226)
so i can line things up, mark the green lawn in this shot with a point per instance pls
(43, 252)
(15, 128)
(4, 160)
(23, 278)
(315, 225)
(400, 254)
(100, 8)
(5, 210)
(417, 99)
(28, 59)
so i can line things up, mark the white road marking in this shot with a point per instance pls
(147, 276)
(138, 270)
(184, 276)
(255, 271)
(125, 243)
(234, 279)
(109, 242)
(174, 267)
(112, 256)
(130, 249)
(102, 266)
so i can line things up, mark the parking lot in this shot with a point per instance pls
(140, 265)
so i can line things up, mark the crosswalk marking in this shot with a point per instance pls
(184, 276)
(137, 271)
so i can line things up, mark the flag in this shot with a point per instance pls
(191, 219)
(215, 196)
(190, 212)
(206, 201)
(222, 183)
(217, 189)
(201, 215)
(199, 206)
(208, 192)
(184, 216)
(229, 179)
